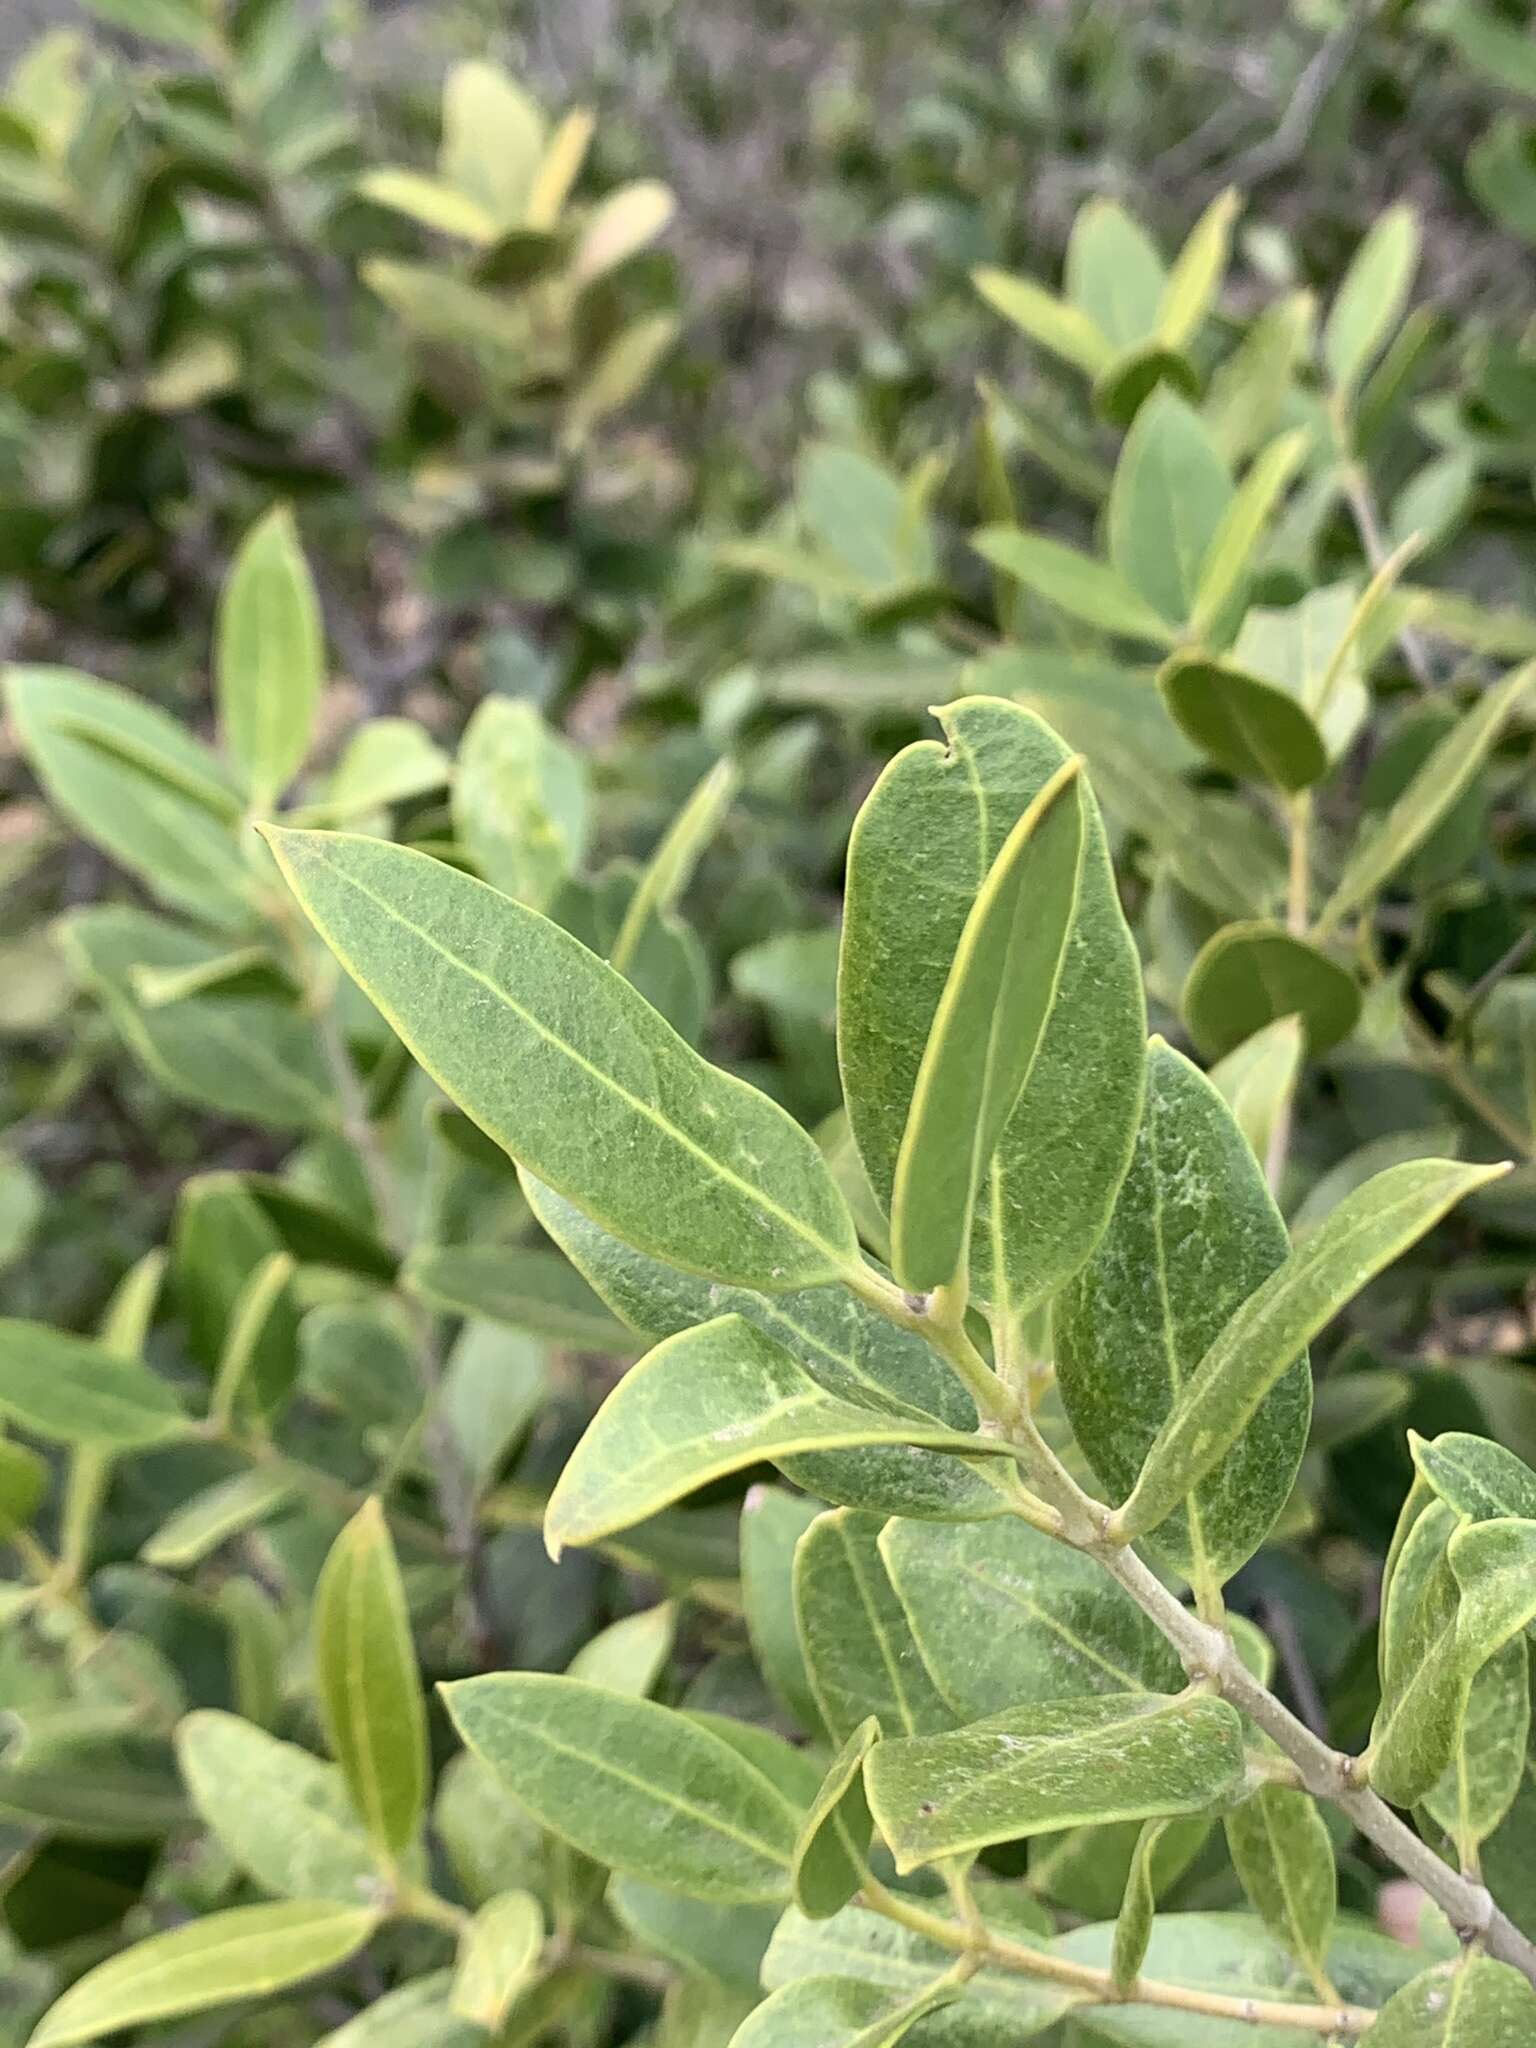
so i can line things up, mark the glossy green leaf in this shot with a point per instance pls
(1002, 1614)
(1260, 1343)
(1236, 541)
(207, 1519)
(1242, 723)
(1197, 273)
(851, 1352)
(74, 1391)
(1257, 1080)
(1066, 1145)
(128, 778)
(1253, 974)
(526, 1289)
(772, 1523)
(1114, 274)
(1475, 1476)
(248, 1952)
(1370, 301)
(1053, 1765)
(543, 1045)
(1194, 1232)
(1133, 1927)
(1002, 987)
(1283, 1853)
(370, 1692)
(1081, 586)
(1474, 2003)
(1487, 1767)
(1432, 792)
(498, 1954)
(280, 1813)
(835, 2012)
(1170, 497)
(1423, 1693)
(863, 1659)
(520, 801)
(269, 659)
(710, 1401)
(1000, 2010)
(1064, 329)
(642, 1788)
(831, 1855)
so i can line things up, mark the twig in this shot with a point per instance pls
(1322, 73)
(1362, 504)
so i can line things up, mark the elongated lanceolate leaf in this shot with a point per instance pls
(986, 1034)
(831, 1852)
(1085, 588)
(77, 1392)
(1473, 2003)
(1366, 1232)
(712, 1400)
(640, 1787)
(560, 1061)
(1370, 301)
(863, 1659)
(1051, 1766)
(1283, 1853)
(1170, 495)
(270, 658)
(498, 1954)
(1064, 329)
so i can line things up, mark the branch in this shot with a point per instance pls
(1282, 149)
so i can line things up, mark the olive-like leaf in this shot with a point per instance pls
(831, 1853)
(1370, 300)
(1085, 588)
(369, 1687)
(498, 1954)
(1283, 1853)
(1062, 328)
(1243, 723)
(247, 1952)
(1251, 974)
(526, 1289)
(1473, 2003)
(863, 1659)
(1138, 1906)
(74, 1391)
(1476, 1477)
(1262, 1340)
(1194, 1232)
(571, 1071)
(1048, 1766)
(269, 658)
(642, 1788)
(986, 1033)
(1170, 496)
(1195, 278)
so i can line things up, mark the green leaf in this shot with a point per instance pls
(1114, 274)
(1248, 392)
(670, 868)
(835, 2012)
(1002, 1614)
(542, 1044)
(723, 1942)
(1081, 586)
(619, 227)
(165, 21)
(385, 761)
(1433, 791)
(709, 1401)
(1236, 541)
(863, 1660)
(225, 1509)
(1483, 1779)
(1135, 374)
(1262, 1340)
(1477, 1478)
(413, 2015)
(1002, 987)
(76, 1392)
(520, 801)
(431, 202)
(1194, 1232)
(269, 658)
(1244, 724)
(131, 781)
(642, 1788)
(1413, 1735)
(630, 1654)
(1253, 974)
(498, 1955)
(494, 137)
(1133, 1928)
(862, 521)
(1062, 328)
(1257, 1080)
(1170, 496)
(1370, 301)
(1283, 1853)
(280, 1813)
(1197, 273)
(831, 1856)
(1472, 2003)
(1056, 1764)
(1000, 2009)
(851, 1352)
(536, 1291)
(496, 1385)
(370, 1693)
(248, 1952)
(1065, 1147)
(772, 1523)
